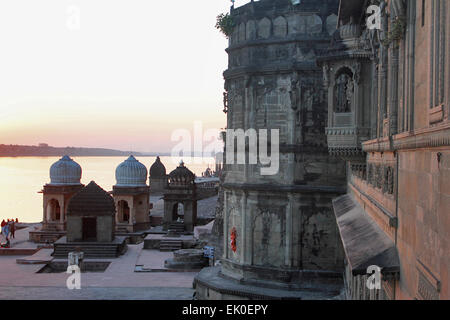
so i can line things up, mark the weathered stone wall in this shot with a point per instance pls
(400, 175)
(105, 228)
(424, 224)
(282, 221)
(74, 229)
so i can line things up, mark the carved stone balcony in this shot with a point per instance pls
(346, 142)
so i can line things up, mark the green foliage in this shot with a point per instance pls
(397, 31)
(225, 24)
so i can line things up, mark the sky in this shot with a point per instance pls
(121, 74)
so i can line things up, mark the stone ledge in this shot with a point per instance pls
(433, 137)
(210, 279)
(283, 188)
(365, 244)
(17, 252)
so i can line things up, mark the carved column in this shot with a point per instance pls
(374, 122)
(355, 108)
(411, 30)
(393, 89)
(383, 73)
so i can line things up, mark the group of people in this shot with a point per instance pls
(8, 231)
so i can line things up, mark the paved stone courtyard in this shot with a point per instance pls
(119, 281)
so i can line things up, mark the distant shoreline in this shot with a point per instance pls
(15, 151)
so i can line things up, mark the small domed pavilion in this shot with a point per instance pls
(131, 196)
(65, 182)
(180, 199)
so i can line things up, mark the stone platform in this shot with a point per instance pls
(46, 236)
(210, 284)
(88, 265)
(187, 259)
(153, 241)
(91, 249)
(43, 256)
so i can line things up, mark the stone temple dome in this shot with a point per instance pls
(181, 176)
(131, 173)
(65, 172)
(157, 170)
(92, 200)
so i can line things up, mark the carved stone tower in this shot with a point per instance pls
(279, 230)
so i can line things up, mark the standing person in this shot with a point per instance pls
(6, 231)
(13, 229)
(3, 225)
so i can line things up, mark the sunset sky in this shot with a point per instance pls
(132, 73)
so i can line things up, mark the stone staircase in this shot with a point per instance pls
(170, 245)
(91, 250)
(122, 229)
(176, 227)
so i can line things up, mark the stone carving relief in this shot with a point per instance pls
(251, 30)
(370, 174)
(331, 23)
(343, 92)
(359, 170)
(280, 27)
(268, 235)
(313, 24)
(357, 72)
(225, 102)
(294, 93)
(385, 179)
(378, 177)
(390, 180)
(264, 28)
(242, 32)
(381, 177)
(326, 75)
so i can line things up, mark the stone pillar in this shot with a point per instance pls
(167, 219)
(190, 215)
(62, 211)
(374, 122)
(44, 205)
(411, 64)
(393, 88)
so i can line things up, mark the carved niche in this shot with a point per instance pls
(343, 91)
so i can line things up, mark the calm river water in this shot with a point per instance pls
(22, 178)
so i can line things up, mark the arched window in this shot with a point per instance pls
(123, 211)
(343, 91)
(178, 211)
(53, 210)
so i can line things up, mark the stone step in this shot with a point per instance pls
(178, 226)
(170, 245)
